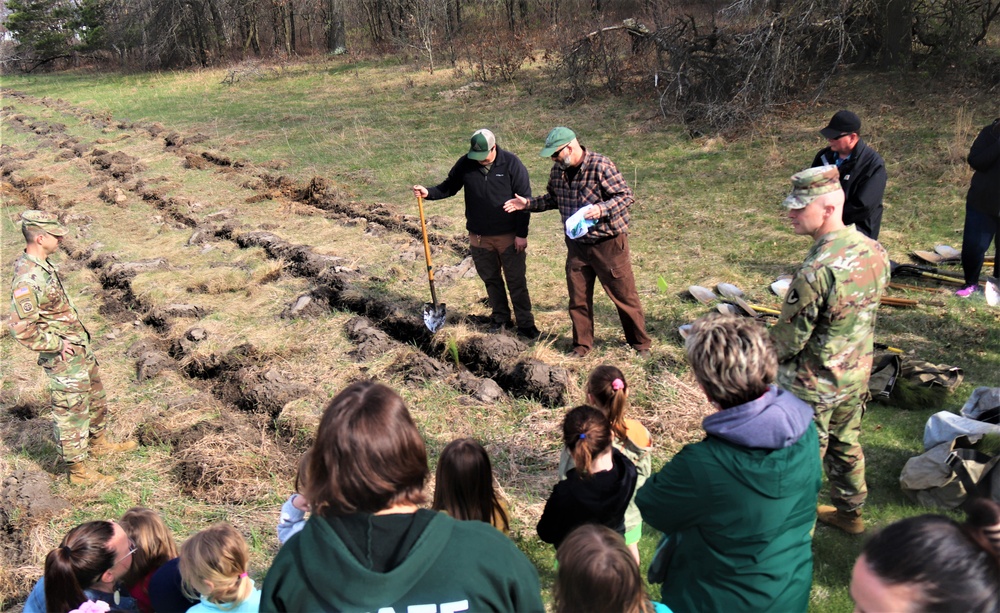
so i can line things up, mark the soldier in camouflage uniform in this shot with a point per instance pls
(44, 320)
(825, 334)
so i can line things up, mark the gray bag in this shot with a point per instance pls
(952, 470)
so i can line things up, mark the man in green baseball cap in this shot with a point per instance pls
(44, 319)
(556, 140)
(825, 335)
(498, 242)
(593, 200)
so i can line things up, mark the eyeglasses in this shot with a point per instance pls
(131, 549)
(555, 155)
(842, 136)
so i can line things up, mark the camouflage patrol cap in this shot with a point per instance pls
(810, 184)
(45, 221)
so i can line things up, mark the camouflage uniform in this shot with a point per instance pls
(42, 316)
(824, 339)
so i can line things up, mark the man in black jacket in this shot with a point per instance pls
(497, 240)
(862, 172)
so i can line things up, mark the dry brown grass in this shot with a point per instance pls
(706, 212)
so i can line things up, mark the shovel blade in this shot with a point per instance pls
(702, 294)
(434, 316)
(728, 309)
(728, 290)
(948, 252)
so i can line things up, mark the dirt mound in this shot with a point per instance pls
(26, 504)
(118, 164)
(28, 493)
(230, 461)
(371, 341)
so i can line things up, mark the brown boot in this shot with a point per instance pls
(101, 446)
(850, 523)
(81, 474)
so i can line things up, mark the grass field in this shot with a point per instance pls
(707, 211)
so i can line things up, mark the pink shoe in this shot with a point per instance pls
(967, 291)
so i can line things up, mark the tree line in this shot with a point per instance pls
(709, 62)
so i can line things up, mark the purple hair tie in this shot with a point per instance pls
(617, 385)
(583, 435)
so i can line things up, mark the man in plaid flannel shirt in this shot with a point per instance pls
(580, 179)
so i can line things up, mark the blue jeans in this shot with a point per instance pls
(980, 230)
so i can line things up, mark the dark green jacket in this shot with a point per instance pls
(453, 565)
(743, 517)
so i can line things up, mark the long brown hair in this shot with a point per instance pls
(609, 391)
(597, 573)
(368, 454)
(586, 433)
(153, 540)
(464, 484)
(79, 561)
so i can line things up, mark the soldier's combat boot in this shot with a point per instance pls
(101, 446)
(850, 523)
(81, 474)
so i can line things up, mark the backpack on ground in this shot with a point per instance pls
(961, 457)
(910, 383)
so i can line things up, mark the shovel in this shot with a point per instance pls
(702, 294)
(730, 291)
(927, 272)
(433, 312)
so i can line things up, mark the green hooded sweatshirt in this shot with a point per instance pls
(740, 507)
(452, 566)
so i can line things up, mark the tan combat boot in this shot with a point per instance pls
(81, 474)
(101, 446)
(850, 523)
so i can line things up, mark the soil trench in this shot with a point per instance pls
(233, 419)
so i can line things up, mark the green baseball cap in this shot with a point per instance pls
(481, 144)
(810, 184)
(557, 139)
(46, 221)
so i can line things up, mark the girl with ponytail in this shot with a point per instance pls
(607, 391)
(214, 565)
(598, 488)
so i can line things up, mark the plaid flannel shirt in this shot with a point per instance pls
(598, 182)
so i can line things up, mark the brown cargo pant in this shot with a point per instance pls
(609, 261)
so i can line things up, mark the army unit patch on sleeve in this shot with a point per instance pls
(24, 300)
(793, 296)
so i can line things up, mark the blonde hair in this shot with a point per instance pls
(609, 390)
(732, 358)
(214, 564)
(153, 541)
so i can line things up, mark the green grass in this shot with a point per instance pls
(706, 211)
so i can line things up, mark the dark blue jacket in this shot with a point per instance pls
(486, 193)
